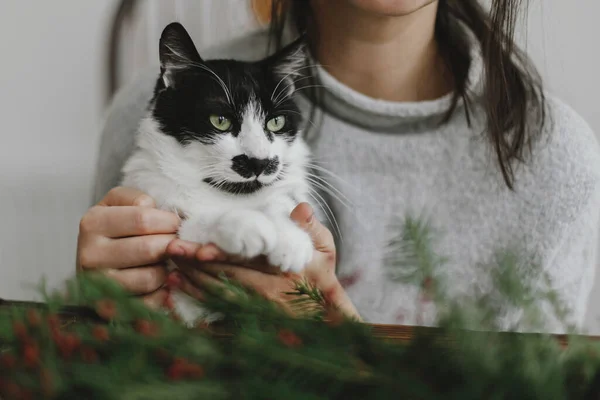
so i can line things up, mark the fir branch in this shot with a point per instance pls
(411, 259)
(309, 302)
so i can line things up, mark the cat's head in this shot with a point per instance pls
(235, 122)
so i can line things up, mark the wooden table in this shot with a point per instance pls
(394, 333)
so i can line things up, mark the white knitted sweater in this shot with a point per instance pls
(393, 158)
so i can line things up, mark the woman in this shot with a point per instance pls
(420, 106)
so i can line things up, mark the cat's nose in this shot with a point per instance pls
(250, 166)
(258, 166)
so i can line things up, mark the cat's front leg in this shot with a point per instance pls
(195, 228)
(294, 249)
(248, 233)
(244, 232)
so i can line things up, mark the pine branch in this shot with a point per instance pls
(309, 302)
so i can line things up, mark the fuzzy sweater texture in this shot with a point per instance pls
(389, 159)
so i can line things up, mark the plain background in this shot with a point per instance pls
(51, 108)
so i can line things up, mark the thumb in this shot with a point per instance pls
(304, 216)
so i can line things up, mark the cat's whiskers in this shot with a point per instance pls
(322, 203)
(322, 184)
(323, 170)
(292, 72)
(283, 91)
(299, 113)
(297, 90)
(328, 211)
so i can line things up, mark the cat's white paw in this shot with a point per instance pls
(193, 230)
(246, 233)
(294, 249)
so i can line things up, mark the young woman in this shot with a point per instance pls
(419, 106)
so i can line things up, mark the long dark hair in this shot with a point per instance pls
(512, 96)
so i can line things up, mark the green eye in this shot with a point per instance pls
(220, 122)
(276, 124)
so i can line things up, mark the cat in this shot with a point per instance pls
(221, 145)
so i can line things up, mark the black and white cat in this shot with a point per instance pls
(221, 145)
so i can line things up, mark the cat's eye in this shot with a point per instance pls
(276, 123)
(220, 122)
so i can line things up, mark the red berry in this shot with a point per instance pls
(20, 330)
(54, 325)
(67, 344)
(194, 371)
(427, 282)
(53, 322)
(33, 318)
(146, 328)
(289, 338)
(100, 333)
(176, 372)
(31, 356)
(57, 338)
(72, 340)
(106, 309)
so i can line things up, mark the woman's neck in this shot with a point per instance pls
(393, 58)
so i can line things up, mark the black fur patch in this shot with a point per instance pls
(194, 90)
(236, 187)
(247, 167)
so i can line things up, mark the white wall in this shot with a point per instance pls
(52, 64)
(51, 60)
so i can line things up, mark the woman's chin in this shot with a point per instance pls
(394, 8)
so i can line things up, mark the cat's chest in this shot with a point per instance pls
(190, 202)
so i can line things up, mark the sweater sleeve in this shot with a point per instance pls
(572, 269)
(564, 197)
(118, 133)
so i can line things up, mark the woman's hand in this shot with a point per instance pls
(125, 237)
(201, 267)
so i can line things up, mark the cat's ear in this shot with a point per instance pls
(288, 62)
(177, 52)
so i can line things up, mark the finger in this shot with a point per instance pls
(126, 252)
(202, 252)
(139, 280)
(125, 221)
(187, 287)
(211, 253)
(199, 278)
(156, 299)
(123, 196)
(245, 276)
(304, 216)
(184, 249)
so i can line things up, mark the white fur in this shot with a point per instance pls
(248, 225)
